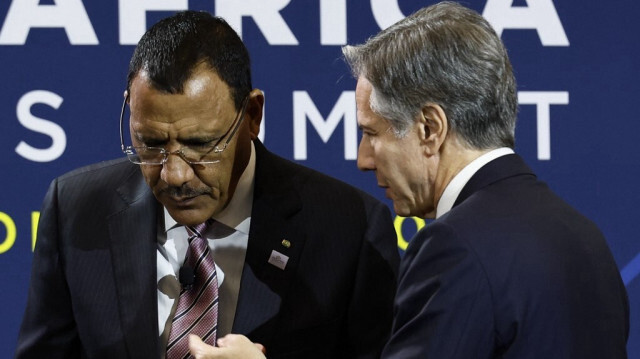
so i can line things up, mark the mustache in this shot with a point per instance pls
(184, 191)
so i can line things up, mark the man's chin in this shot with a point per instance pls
(403, 210)
(189, 217)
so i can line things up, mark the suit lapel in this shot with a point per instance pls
(274, 232)
(501, 168)
(132, 231)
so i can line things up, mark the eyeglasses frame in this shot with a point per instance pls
(235, 125)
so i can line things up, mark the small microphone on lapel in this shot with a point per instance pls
(186, 277)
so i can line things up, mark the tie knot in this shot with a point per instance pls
(199, 229)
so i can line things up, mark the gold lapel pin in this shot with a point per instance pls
(286, 243)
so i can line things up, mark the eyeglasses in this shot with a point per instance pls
(193, 155)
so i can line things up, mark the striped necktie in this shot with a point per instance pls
(197, 310)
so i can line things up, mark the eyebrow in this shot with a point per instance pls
(364, 126)
(144, 138)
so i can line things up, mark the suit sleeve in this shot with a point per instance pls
(48, 328)
(371, 306)
(443, 308)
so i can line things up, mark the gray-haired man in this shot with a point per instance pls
(507, 269)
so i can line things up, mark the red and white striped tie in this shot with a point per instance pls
(197, 310)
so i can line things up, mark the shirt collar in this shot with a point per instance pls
(238, 210)
(458, 182)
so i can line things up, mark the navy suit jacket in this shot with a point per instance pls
(93, 291)
(512, 271)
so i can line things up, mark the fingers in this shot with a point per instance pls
(231, 346)
(261, 348)
(200, 349)
(241, 347)
(230, 340)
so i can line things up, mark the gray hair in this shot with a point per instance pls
(448, 55)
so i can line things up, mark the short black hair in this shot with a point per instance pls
(173, 47)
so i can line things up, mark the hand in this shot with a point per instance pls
(232, 346)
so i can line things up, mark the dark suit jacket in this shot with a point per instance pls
(512, 271)
(93, 291)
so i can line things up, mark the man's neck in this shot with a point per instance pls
(453, 158)
(457, 184)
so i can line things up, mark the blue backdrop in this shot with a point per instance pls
(64, 63)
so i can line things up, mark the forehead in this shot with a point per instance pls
(204, 93)
(366, 116)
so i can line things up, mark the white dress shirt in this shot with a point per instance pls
(228, 238)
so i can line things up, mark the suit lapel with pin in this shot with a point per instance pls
(273, 233)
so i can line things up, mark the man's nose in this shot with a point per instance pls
(365, 156)
(176, 171)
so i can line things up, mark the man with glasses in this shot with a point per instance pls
(223, 237)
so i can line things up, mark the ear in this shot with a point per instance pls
(432, 128)
(253, 112)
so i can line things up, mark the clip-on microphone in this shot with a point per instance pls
(186, 277)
